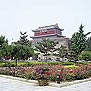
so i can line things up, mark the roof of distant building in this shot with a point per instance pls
(46, 36)
(47, 28)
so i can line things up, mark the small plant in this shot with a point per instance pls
(53, 78)
(41, 75)
(41, 72)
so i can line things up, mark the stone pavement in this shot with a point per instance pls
(8, 83)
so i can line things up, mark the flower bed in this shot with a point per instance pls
(49, 72)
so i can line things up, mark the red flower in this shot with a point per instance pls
(71, 71)
(61, 73)
(48, 73)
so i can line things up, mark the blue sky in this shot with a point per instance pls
(26, 15)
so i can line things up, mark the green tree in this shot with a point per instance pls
(46, 46)
(88, 44)
(62, 51)
(21, 52)
(23, 47)
(5, 49)
(3, 46)
(3, 40)
(85, 55)
(78, 42)
(23, 39)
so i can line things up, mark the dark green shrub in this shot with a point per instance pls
(52, 78)
(68, 63)
(85, 55)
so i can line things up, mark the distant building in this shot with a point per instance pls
(52, 32)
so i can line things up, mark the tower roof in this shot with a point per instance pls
(46, 36)
(47, 28)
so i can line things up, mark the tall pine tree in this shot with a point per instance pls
(45, 46)
(23, 47)
(23, 39)
(88, 44)
(78, 42)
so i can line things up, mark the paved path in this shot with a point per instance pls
(7, 84)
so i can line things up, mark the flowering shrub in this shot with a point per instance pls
(41, 72)
(50, 72)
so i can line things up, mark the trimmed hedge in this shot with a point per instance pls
(29, 64)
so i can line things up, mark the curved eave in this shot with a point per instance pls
(46, 36)
(37, 30)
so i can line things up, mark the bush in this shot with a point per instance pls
(85, 63)
(68, 63)
(31, 64)
(85, 55)
(52, 78)
(71, 66)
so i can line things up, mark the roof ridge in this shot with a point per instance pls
(49, 25)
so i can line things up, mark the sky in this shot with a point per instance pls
(26, 15)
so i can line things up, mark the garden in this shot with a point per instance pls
(67, 71)
(79, 48)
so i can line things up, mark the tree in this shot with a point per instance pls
(3, 46)
(21, 52)
(62, 51)
(3, 40)
(5, 49)
(23, 39)
(46, 46)
(78, 42)
(85, 55)
(23, 47)
(88, 44)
